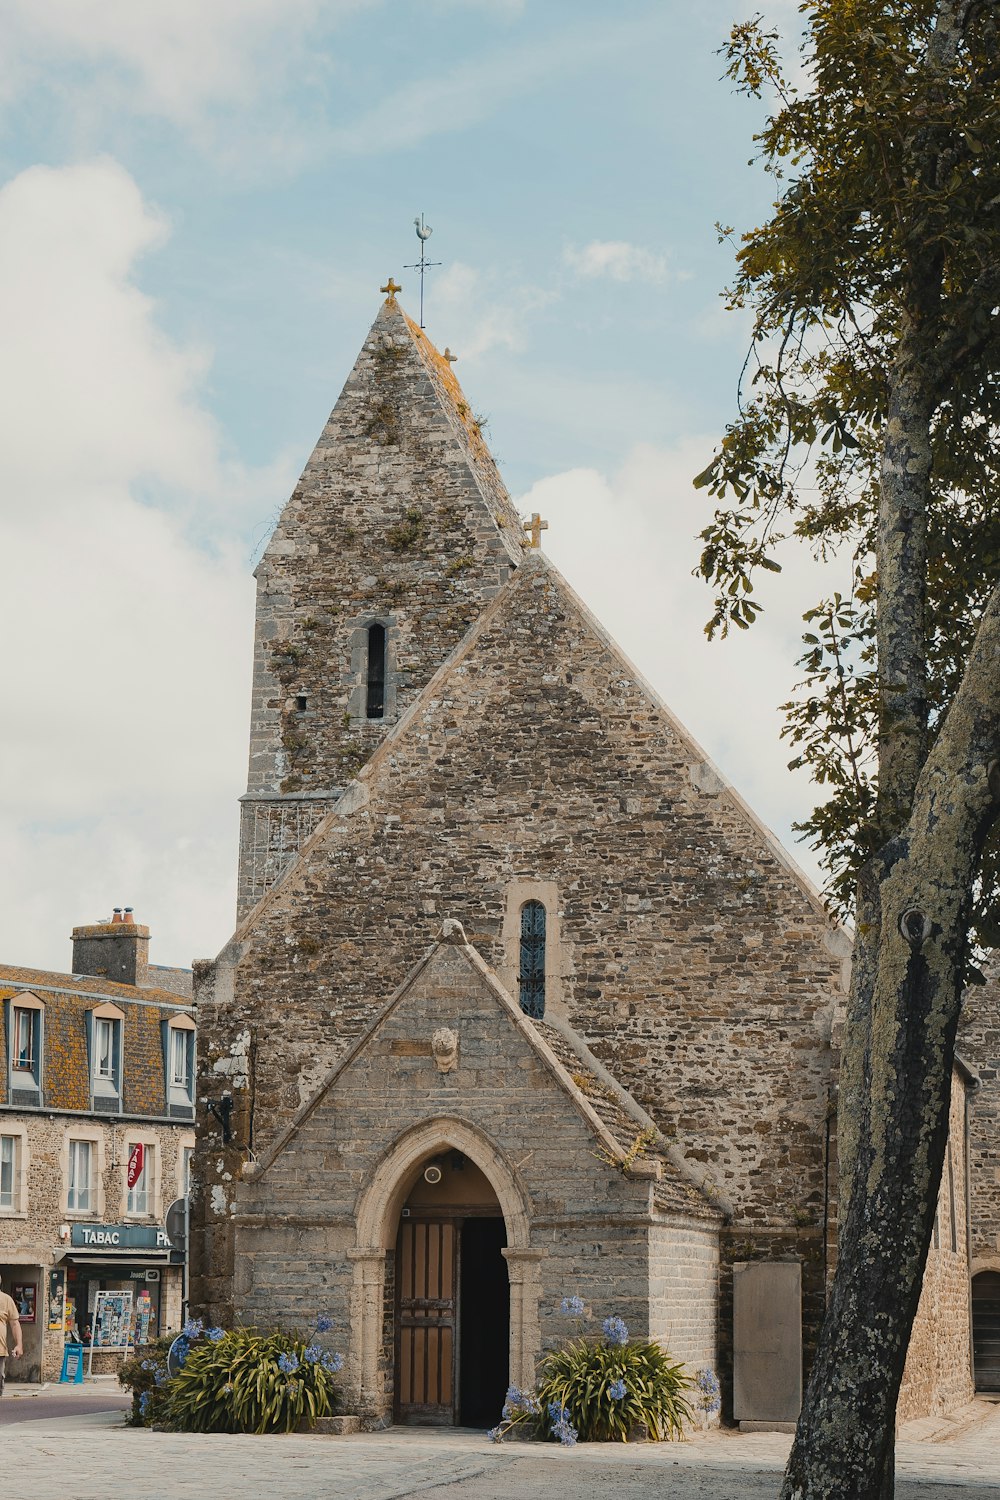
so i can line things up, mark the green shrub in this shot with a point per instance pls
(244, 1381)
(603, 1391)
(145, 1375)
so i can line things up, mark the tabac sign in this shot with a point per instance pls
(119, 1237)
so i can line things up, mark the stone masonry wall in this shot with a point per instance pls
(979, 1044)
(938, 1374)
(684, 1293)
(695, 966)
(296, 1222)
(400, 517)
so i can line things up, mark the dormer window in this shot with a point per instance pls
(178, 1065)
(24, 1028)
(104, 1049)
(376, 672)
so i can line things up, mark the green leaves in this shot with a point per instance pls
(885, 237)
(237, 1384)
(581, 1375)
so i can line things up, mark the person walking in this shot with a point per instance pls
(10, 1334)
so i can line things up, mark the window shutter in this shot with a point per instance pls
(165, 1045)
(90, 1056)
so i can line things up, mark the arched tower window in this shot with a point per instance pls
(376, 672)
(532, 971)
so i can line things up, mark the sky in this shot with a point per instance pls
(198, 205)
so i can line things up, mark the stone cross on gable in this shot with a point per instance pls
(451, 358)
(534, 528)
(391, 287)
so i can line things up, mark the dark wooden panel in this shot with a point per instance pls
(425, 1322)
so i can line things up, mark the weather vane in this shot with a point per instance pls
(423, 265)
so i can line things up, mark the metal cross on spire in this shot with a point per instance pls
(423, 265)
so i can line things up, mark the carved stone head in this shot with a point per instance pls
(444, 1044)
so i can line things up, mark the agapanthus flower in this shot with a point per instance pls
(572, 1307)
(615, 1331)
(709, 1397)
(565, 1432)
(192, 1328)
(215, 1334)
(147, 1364)
(288, 1363)
(312, 1354)
(558, 1413)
(333, 1362)
(323, 1323)
(617, 1390)
(144, 1403)
(495, 1434)
(162, 1377)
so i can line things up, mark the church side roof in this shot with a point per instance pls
(626, 1121)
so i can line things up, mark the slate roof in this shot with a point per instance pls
(14, 979)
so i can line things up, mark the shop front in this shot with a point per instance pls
(124, 1286)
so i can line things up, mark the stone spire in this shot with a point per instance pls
(397, 534)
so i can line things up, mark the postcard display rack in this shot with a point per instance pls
(111, 1327)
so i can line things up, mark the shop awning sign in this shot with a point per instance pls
(119, 1237)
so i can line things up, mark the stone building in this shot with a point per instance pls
(523, 1000)
(979, 1038)
(96, 1138)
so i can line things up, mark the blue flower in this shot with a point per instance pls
(143, 1403)
(215, 1334)
(146, 1365)
(615, 1331)
(617, 1390)
(312, 1354)
(707, 1383)
(572, 1307)
(323, 1323)
(288, 1363)
(558, 1413)
(333, 1362)
(192, 1328)
(495, 1434)
(162, 1377)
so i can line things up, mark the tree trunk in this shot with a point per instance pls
(843, 1442)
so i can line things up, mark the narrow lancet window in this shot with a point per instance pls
(532, 975)
(376, 672)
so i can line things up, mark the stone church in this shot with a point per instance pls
(523, 1001)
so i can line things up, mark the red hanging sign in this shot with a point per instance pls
(136, 1157)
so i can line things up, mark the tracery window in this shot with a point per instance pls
(531, 976)
(376, 672)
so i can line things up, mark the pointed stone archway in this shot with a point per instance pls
(377, 1218)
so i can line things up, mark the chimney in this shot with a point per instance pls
(117, 950)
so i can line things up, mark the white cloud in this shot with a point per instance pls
(125, 678)
(174, 58)
(627, 543)
(479, 313)
(620, 261)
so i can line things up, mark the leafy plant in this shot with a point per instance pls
(606, 1389)
(145, 1375)
(601, 1389)
(244, 1381)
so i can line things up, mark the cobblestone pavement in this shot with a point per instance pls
(78, 1455)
